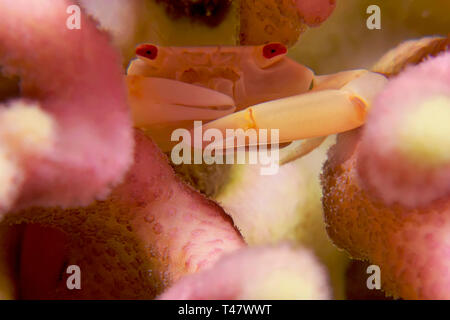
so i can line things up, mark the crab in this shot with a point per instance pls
(245, 87)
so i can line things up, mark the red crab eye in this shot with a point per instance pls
(148, 51)
(273, 49)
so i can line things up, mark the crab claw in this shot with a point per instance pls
(161, 105)
(310, 115)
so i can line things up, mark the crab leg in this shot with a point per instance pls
(300, 148)
(336, 80)
(310, 115)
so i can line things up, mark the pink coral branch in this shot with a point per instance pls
(401, 158)
(187, 232)
(315, 12)
(151, 231)
(257, 273)
(386, 194)
(73, 78)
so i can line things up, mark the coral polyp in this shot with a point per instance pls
(224, 149)
(405, 146)
(262, 273)
(386, 194)
(148, 233)
(59, 139)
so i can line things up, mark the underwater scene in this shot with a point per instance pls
(224, 150)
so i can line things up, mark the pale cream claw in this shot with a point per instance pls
(160, 106)
(304, 116)
(363, 83)
(366, 87)
(310, 115)
(336, 80)
(158, 100)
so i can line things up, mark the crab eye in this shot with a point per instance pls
(272, 50)
(267, 55)
(148, 51)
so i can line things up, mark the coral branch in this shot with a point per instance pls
(73, 110)
(148, 233)
(386, 192)
(314, 12)
(405, 155)
(257, 273)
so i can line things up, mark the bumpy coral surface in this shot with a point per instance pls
(315, 12)
(284, 207)
(406, 138)
(68, 139)
(386, 193)
(209, 12)
(257, 273)
(151, 231)
(207, 22)
(283, 21)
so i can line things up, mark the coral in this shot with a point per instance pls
(68, 138)
(344, 42)
(150, 231)
(315, 12)
(269, 21)
(71, 194)
(206, 11)
(283, 207)
(259, 273)
(407, 137)
(207, 22)
(386, 197)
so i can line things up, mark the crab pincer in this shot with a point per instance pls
(162, 105)
(314, 114)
